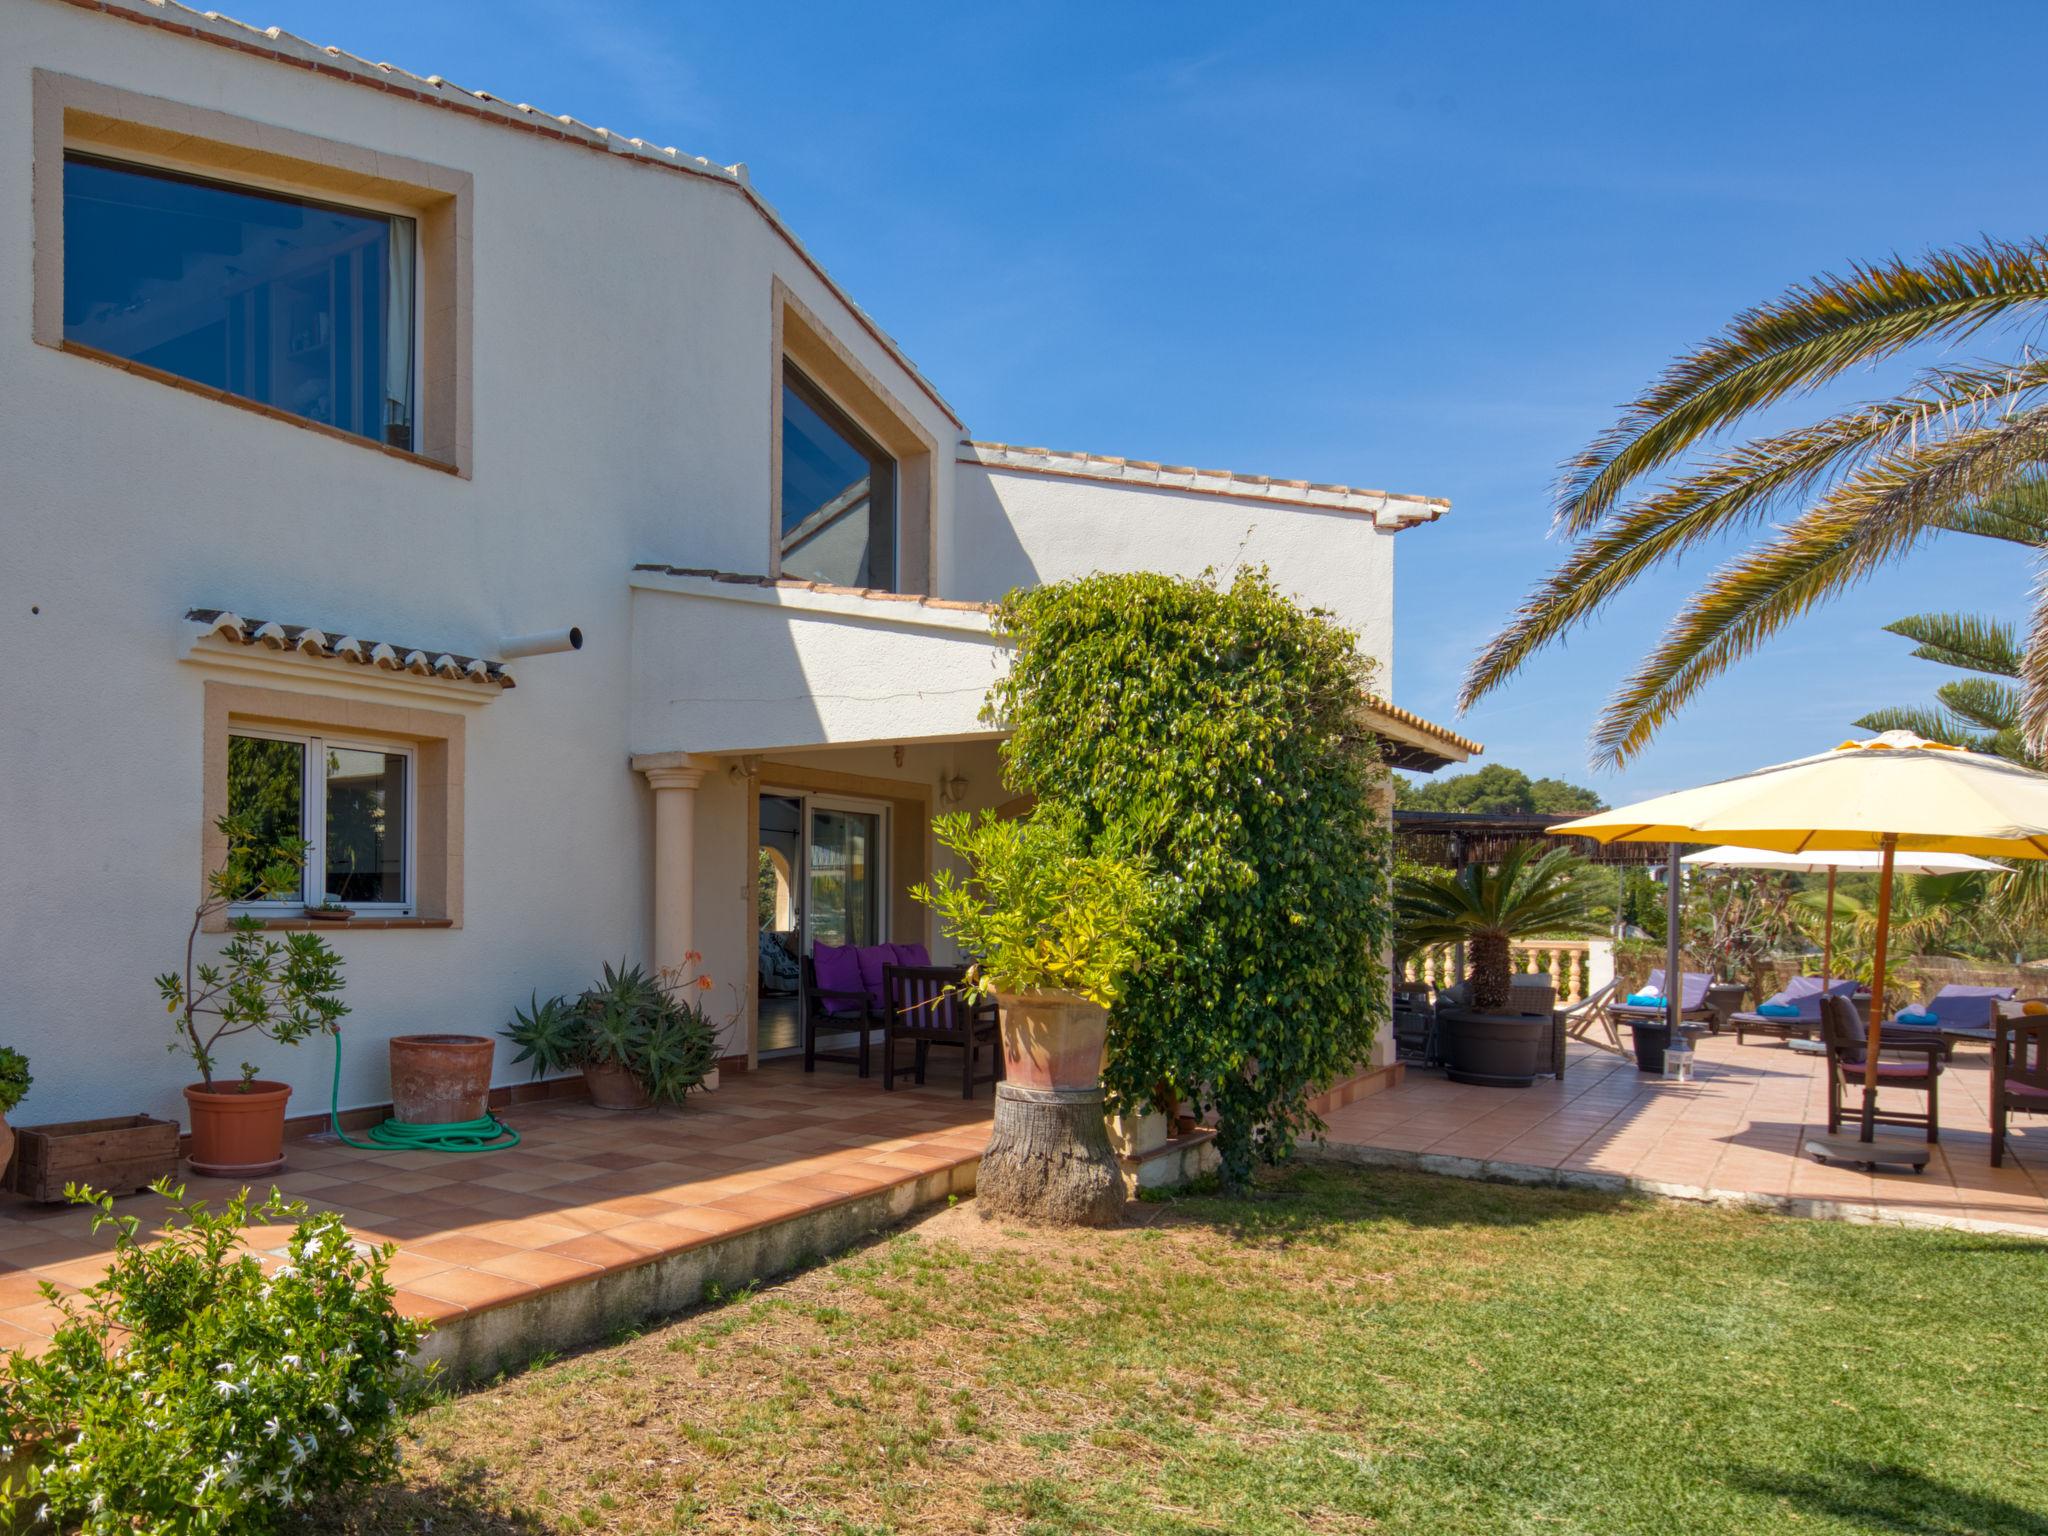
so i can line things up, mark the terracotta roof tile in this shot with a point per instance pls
(334, 645)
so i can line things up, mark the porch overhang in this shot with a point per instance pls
(725, 664)
(1409, 741)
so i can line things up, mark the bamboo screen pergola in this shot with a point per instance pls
(1455, 840)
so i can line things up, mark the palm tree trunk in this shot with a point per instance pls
(1491, 969)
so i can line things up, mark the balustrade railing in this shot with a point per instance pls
(1567, 963)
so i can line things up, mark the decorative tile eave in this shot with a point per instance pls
(1384, 714)
(221, 637)
(1388, 509)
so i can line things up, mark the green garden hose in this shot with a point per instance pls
(490, 1134)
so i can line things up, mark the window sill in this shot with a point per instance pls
(256, 407)
(324, 925)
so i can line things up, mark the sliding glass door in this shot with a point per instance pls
(844, 904)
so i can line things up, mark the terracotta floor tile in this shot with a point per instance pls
(463, 1248)
(598, 1248)
(432, 1308)
(649, 1236)
(541, 1270)
(470, 1288)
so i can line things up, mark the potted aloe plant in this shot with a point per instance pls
(14, 1085)
(1053, 929)
(279, 989)
(1530, 893)
(638, 1039)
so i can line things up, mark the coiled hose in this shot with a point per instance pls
(490, 1134)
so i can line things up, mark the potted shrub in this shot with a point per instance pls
(1053, 929)
(14, 1083)
(282, 989)
(638, 1039)
(1531, 893)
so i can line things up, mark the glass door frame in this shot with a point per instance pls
(814, 800)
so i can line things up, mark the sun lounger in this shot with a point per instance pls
(1801, 992)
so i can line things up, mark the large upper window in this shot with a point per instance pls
(349, 803)
(299, 305)
(838, 493)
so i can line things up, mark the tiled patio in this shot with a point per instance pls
(588, 1192)
(1733, 1132)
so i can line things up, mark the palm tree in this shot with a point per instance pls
(1964, 450)
(1532, 893)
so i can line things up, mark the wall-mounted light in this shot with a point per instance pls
(741, 769)
(952, 790)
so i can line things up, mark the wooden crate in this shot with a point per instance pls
(121, 1154)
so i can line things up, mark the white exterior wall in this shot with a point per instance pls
(1018, 528)
(623, 374)
(623, 377)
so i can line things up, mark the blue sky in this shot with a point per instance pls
(1425, 247)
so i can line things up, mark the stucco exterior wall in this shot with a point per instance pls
(623, 372)
(624, 369)
(1015, 528)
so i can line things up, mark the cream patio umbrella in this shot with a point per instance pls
(1895, 792)
(1728, 856)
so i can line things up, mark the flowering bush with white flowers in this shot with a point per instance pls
(192, 1391)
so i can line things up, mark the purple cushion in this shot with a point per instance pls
(1887, 1069)
(912, 954)
(872, 957)
(2025, 1091)
(838, 968)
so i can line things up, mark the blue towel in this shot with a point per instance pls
(1778, 1010)
(1916, 1016)
(1645, 1000)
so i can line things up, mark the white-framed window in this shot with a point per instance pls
(352, 802)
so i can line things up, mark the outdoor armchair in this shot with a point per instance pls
(2019, 1075)
(924, 1004)
(1841, 1032)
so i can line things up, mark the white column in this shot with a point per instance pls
(674, 777)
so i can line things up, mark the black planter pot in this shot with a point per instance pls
(1652, 1040)
(1494, 1050)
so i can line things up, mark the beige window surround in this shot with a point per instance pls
(73, 113)
(801, 338)
(437, 810)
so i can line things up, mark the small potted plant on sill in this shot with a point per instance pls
(1530, 893)
(14, 1085)
(1053, 927)
(280, 989)
(638, 1039)
(330, 910)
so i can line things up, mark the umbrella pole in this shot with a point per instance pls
(1674, 981)
(1827, 940)
(1876, 1029)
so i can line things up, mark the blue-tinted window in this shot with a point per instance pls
(298, 305)
(838, 494)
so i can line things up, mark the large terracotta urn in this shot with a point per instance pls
(440, 1079)
(1049, 1156)
(237, 1127)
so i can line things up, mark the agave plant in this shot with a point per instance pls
(1962, 450)
(1531, 893)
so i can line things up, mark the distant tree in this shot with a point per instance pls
(1495, 790)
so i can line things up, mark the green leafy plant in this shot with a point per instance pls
(1532, 892)
(652, 1025)
(14, 1078)
(1037, 910)
(1218, 732)
(190, 1390)
(282, 990)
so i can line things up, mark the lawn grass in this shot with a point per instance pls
(1351, 1351)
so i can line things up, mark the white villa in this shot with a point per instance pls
(332, 397)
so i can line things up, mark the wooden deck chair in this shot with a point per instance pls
(1589, 1014)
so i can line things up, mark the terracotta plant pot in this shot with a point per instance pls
(1052, 1040)
(237, 1128)
(440, 1079)
(613, 1087)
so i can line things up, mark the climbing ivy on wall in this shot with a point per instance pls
(1219, 730)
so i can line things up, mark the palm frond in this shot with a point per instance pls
(1736, 490)
(1930, 723)
(1988, 705)
(1971, 641)
(1871, 518)
(1806, 336)
(2034, 671)
(2017, 514)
